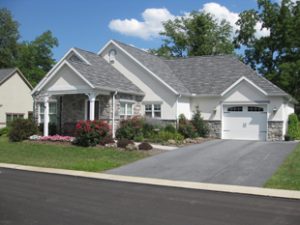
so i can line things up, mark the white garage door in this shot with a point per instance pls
(244, 122)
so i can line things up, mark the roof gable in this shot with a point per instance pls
(5, 74)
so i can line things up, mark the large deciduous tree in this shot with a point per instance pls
(194, 35)
(34, 58)
(9, 36)
(277, 55)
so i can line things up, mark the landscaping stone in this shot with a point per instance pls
(111, 145)
(172, 142)
(131, 147)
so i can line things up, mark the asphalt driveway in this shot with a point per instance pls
(248, 163)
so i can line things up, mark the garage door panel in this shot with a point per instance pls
(245, 125)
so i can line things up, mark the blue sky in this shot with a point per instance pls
(90, 24)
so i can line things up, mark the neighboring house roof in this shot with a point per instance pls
(101, 74)
(6, 73)
(203, 75)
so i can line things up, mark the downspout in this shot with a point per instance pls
(113, 115)
(177, 119)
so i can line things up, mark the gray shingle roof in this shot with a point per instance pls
(4, 73)
(156, 65)
(212, 75)
(206, 75)
(101, 74)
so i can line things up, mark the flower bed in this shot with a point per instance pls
(54, 138)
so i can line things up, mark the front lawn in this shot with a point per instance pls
(65, 157)
(288, 174)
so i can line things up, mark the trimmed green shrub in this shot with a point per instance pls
(293, 127)
(170, 128)
(164, 136)
(130, 128)
(148, 130)
(138, 138)
(186, 128)
(199, 124)
(107, 140)
(91, 133)
(122, 143)
(22, 129)
(145, 146)
(4, 131)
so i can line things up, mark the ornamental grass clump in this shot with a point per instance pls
(91, 133)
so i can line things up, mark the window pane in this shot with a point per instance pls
(122, 108)
(157, 114)
(21, 116)
(255, 109)
(235, 109)
(52, 118)
(129, 109)
(156, 107)
(41, 118)
(148, 114)
(52, 108)
(8, 118)
(41, 108)
(148, 108)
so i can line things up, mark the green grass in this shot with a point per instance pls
(65, 157)
(288, 174)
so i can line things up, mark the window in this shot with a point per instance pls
(235, 109)
(52, 112)
(13, 116)
(153, 110)
(126, 109)
(112, 55)
(255, 109)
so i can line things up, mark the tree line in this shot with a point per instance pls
(275, 56)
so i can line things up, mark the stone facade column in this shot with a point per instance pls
(46, 116)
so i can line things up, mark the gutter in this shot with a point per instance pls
(176, 116)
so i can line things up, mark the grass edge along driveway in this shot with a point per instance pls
(65, 156)
(287, 175)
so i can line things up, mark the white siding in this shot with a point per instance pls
(15, 97)
(184, 107)
(66, 80)
(208, 106)
(154, 90)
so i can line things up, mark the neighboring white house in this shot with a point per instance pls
(121, 81)
(15, 96)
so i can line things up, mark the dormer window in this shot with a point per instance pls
(112, 55)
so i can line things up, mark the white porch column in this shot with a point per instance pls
(46, 116)
(92, 99)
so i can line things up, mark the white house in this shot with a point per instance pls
(121, 81)
(15, 96)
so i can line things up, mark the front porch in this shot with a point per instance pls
(66, 109)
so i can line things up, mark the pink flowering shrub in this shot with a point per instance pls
(91, 133)
(57, 138)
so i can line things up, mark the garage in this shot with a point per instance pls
(244, 122)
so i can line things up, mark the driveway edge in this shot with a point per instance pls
(163, 182)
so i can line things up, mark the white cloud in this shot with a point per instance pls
(149, 28)
(221, 12)
(153, 18)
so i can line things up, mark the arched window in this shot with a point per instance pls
(255, 109)
(235, 109)
(112, 55)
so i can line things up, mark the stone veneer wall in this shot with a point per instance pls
(275, 130)
(214, 128)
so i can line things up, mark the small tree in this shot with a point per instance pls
(293, 127)
(21, 129)
(199, 124)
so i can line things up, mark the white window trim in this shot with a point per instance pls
(39, 107)
(126, 102)
(152, 109)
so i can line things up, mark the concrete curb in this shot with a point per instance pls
(161, 182)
